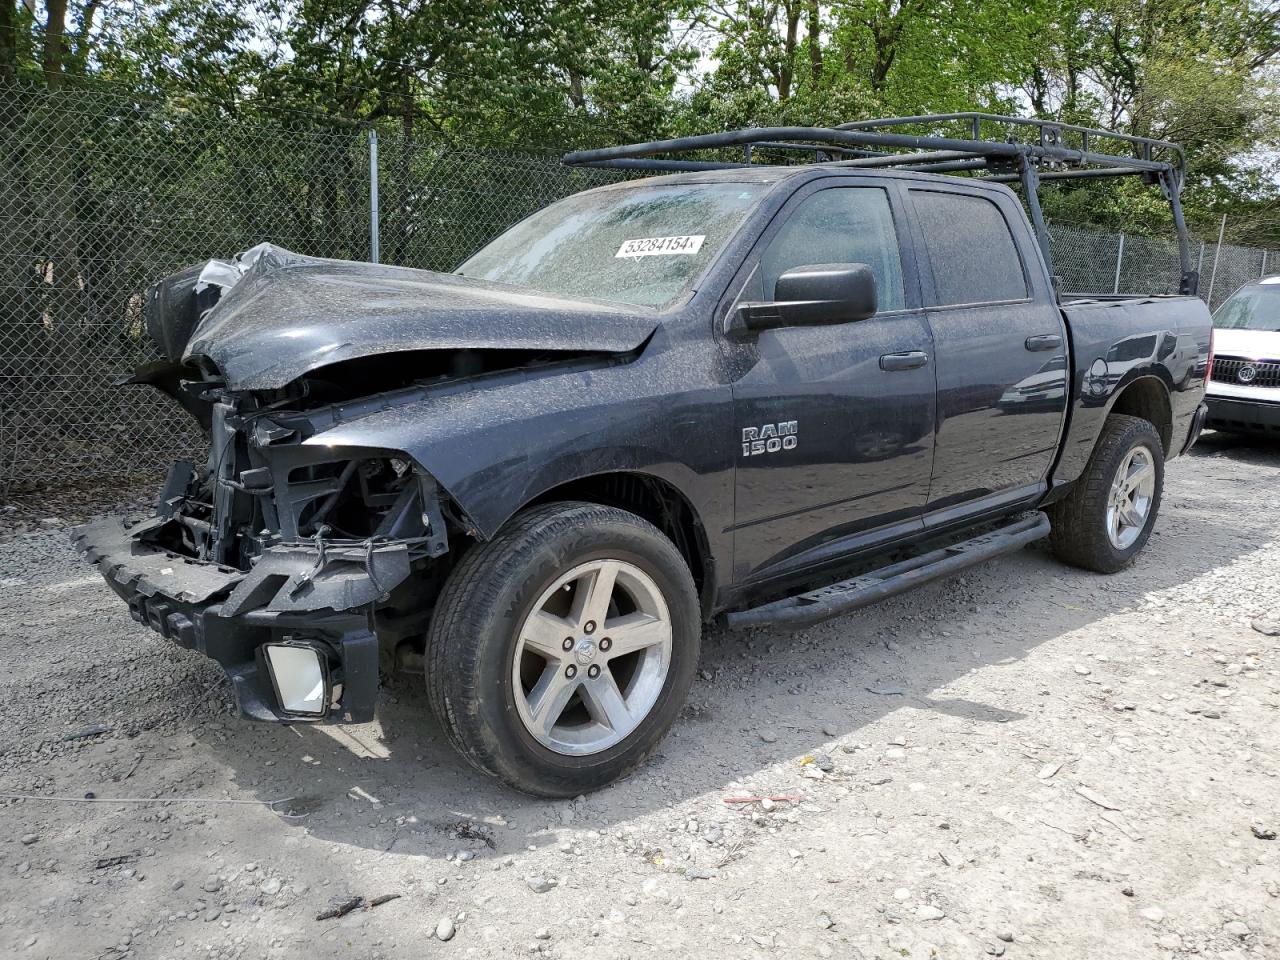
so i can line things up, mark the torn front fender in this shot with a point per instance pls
(496, 448)
(175, 380)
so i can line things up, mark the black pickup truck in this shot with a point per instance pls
(759, 393)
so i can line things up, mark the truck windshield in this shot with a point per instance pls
(644, 245)
(1255, 307)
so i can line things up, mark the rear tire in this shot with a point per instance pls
(1107, 518)
(561, 651)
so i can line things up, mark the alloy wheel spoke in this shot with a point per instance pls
(1130, 515)
(1138, 477)
(605, 702)
(635, 631)
(593, 594)
(544, 634)
(549, 696)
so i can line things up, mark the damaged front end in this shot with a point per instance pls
(302, 565)
(287, 565)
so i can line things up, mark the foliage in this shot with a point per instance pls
(572, 72)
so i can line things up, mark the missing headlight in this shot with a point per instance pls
(351, 499)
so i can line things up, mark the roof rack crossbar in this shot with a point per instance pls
(668, 166)
(948, 166)
(811, 148)
(902, 159)
(977, 118)
(1083, 174)
(652, 165)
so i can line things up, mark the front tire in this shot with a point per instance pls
(561, 651)
(1107, 518)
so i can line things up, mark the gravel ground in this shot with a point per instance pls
(34, 507)
(1027, 761)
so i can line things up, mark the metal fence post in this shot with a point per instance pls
(373, 196)
(1216, 254)
(1263, 272)
(1115, 288)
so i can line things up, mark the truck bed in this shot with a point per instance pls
(1115, 340)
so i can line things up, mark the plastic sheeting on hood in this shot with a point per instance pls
(281, 315)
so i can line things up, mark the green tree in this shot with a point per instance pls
(573, 72)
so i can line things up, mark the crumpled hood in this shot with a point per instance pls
(288, 314)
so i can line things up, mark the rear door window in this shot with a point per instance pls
(971, 249)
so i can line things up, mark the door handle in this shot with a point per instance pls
(909, 360)
(1046, 341)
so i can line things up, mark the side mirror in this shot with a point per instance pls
(814, 295)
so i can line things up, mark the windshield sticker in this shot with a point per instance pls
(660, 246)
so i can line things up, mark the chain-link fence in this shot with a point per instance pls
(101, 194)
(438, 203)
(1092, 262)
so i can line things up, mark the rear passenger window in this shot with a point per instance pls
(971, 251)
(840, 225)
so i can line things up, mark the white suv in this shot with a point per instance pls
(1244, 392)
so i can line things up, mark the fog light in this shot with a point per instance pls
(301, 678)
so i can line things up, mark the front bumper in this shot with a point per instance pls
(1250, 416)
(294, 592)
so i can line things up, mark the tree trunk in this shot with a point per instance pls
(814, 30)
(404, 176)
(1038, 85)
(8, 43)
(55, 43)
(882, 59)
(81, 51)
(787, 69)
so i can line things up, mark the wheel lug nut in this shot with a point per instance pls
(593, 671)
(589, 626)
(570, 671)
(605, 643)
(568, 643)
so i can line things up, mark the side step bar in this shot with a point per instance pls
(809, 608)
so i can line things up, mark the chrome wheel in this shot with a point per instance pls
(1132, 493)
(592, 657)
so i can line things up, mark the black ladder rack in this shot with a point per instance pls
(1055, 151)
